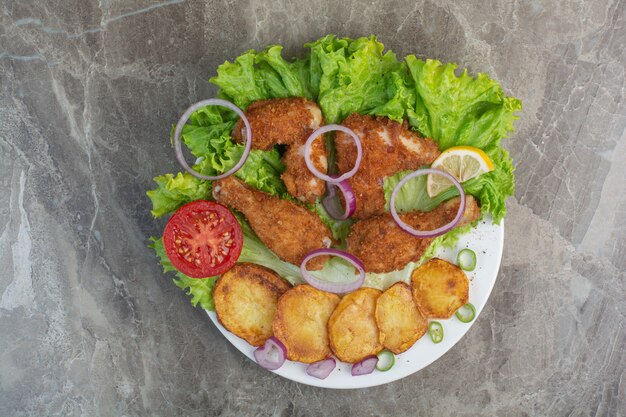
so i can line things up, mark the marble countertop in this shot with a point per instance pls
(91, 327)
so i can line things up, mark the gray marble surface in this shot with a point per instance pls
(90, 326)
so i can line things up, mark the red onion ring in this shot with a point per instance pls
(366, 366)
(179, 129)
(321, 131)
(321, 369)
(334, 287)
(332, 204)
(440, 230)
(271, 355)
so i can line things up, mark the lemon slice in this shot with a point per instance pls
(462, 162)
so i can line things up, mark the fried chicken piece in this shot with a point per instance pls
(388, 147)
(383, 246)
(299, 180)
(287, 229)
(289, 121)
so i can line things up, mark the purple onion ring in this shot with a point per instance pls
(179, 129)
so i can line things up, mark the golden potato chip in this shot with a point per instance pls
(399, 321)
(439, 288)
(300, 322)
(352, 327)
(245, 300)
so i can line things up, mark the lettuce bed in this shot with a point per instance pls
(343, 76)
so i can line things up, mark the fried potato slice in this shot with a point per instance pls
(352, 327)
(399, 321)
(439, 288)
(300, 322)
(245, 300)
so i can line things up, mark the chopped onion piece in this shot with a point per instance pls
(272, 355)
(321, 369)
(366, 366)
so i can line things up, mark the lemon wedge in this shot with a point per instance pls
(462, 162)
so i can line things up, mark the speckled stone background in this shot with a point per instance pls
(90, 326)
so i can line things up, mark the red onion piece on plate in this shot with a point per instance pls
(179, 129)
(366, 366)
(334, 287)
(321, 369)
(272, 355)
(430, 233)
(332, 204)
(321, 131)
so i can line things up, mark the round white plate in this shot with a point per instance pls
(487, 241)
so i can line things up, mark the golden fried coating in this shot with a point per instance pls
(245, 300)
(388, 147)
(439, 289)
(289, 230)
(289, 121)
(300, 322)
(383, 246)
(300, 181)
(352, 328)
(280, 121)
(399, 321)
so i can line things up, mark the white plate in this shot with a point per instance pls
(487, 241)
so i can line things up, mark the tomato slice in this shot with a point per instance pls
(203, 239)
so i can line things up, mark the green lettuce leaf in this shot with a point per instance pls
(462, 110)
(351, 76)
(174, 191)
(262, 75)
(200, 289)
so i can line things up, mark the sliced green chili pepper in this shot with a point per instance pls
(466, 313)
(435, 330)
(466, 259)
(386, 360)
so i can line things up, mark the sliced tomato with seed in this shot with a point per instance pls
(203, 239)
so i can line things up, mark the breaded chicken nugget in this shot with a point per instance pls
(287, 229)
(245, 300)
(388, 147)
(289, 121)
(370, 235)
(300, 323)
(399, 321)
(439, 288)
(352, 327)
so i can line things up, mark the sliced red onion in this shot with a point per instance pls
(332, 204)
(366, 366)
(179, 129)
(334, 287)
(430, 233)
(331, 128)
(321, 369)
(272, 355)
